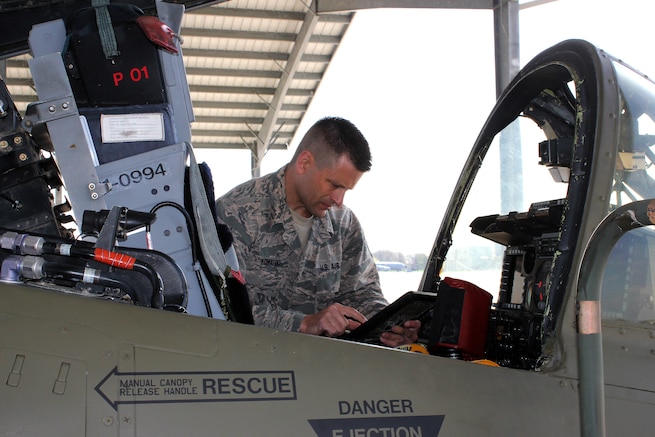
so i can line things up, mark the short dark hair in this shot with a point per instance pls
(331, 137)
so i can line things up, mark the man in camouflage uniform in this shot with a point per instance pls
(302, 252)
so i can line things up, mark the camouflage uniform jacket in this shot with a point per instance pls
(285, 284)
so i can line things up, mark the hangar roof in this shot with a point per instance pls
(253, 68)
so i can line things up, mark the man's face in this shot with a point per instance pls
(321, 188)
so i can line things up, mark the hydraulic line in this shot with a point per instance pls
(33, 267)
(123, 261)
(94, 276)
(25, 244)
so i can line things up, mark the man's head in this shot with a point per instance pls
(331, 137)
(330, 159)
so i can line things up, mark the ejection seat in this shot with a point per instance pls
(113, 95)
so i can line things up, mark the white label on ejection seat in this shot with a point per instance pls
(124, 128)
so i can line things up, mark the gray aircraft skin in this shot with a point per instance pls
(540, 307)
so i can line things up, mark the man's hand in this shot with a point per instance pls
(399, 335)
(332, 321)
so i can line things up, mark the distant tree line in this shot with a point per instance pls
(416, 261)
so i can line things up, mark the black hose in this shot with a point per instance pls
(194, 249)
(64, 271)
(157, 298)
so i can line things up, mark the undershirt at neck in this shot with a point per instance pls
(303, 227)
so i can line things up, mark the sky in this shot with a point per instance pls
(419, 84)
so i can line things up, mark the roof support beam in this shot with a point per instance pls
(323, 6)
(265, 136)
(506, 42)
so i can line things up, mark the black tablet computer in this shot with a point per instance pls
(413, 305)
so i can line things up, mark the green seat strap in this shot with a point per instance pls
(105, 28)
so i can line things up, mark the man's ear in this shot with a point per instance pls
(304, 161)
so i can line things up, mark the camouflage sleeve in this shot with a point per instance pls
(271, 317)
(360, 282)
